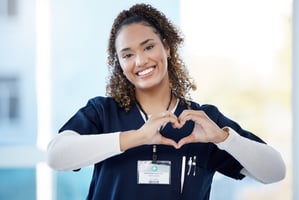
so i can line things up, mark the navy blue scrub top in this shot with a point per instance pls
(116, 178)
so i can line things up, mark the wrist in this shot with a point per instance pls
(129, 139)
(224, 133)
(229, 140)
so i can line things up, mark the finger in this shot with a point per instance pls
(185, 140)
(169, 142)
(168, 117)
(184, 117)
(196, 116)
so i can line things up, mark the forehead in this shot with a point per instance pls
(130, 36)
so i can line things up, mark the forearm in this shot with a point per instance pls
(70, 150)
(259, 160)
(130, 139)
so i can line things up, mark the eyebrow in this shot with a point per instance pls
(141, 44)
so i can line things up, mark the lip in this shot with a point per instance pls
(145, 72)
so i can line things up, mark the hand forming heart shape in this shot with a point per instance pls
(191, 126)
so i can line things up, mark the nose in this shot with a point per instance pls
(141, 59)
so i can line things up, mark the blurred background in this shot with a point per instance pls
(53, 59)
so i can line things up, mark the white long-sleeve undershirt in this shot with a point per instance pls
(70, 150)
(260, 161)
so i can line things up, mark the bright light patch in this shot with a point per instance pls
(242, 31)
(44, 176)
(43, 72)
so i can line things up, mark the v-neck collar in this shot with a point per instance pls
(144, 117)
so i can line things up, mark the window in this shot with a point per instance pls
(8, 8)
(9, 99)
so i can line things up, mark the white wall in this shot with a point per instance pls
(295, 93)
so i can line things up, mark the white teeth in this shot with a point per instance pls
(146, 71)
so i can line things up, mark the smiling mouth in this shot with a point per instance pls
(146, 71)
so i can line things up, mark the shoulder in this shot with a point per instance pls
(102, 102)
(100, 105)
(209, 109)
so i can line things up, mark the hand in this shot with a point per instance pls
(205, 130)
(151, 129)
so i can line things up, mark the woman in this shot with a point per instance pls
(147, 139)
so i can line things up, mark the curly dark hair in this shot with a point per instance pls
(118, 86)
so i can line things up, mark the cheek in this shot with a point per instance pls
(164, 61)
(163, 56)
(123, 66)
(126, 69)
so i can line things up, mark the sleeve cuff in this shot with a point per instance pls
(116, 141)
(232, 134)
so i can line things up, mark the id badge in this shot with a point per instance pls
(150, 172)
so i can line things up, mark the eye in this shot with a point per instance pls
(149, 47)
(127, 56)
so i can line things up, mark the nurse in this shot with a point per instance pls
(147, 139)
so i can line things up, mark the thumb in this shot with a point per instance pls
(169, 142)
(183, 141)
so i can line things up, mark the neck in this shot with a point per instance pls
(155, 101)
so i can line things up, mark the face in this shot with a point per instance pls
(142, 56)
